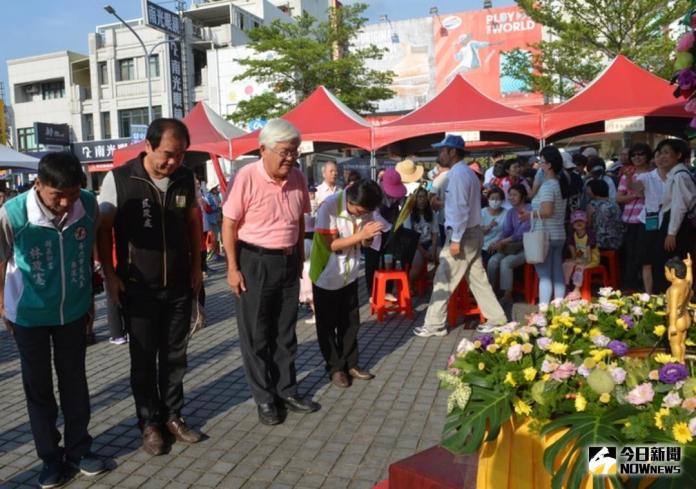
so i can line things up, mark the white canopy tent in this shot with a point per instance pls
(14, 160)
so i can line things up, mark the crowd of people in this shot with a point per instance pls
(154, 227)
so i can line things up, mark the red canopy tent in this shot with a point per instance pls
(210, 133)
(623, 89)
(458, 108)
(322, 118)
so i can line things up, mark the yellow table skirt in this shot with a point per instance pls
(516, 460)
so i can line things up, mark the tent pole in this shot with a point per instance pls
(373, 165)
(218, 171)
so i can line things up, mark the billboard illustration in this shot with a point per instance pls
(473, 44)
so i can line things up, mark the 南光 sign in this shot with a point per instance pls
(95, 151)
(57, 134)
(177, 79)
(161, 19)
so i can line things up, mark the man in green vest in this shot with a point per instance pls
(46, 237)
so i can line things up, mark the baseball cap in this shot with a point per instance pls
(450, 141)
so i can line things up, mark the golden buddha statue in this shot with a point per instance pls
(680, 274)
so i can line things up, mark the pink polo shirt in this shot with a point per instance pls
(268, 212)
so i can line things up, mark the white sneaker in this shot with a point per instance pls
(424, 332)
(312, 320)
(121, 340)
(485, 328)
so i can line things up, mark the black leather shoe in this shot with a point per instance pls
(268, 414)
(299, 405)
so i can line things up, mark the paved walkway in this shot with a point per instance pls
(349, 443)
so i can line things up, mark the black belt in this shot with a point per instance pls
(290, 250)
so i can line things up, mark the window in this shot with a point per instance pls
(87, 127)
(25, 139)
(154, 66)
(135, 116)
(106, 125)
(103, 72)
(126, 69)
(53, 90)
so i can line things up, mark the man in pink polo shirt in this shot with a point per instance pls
(263, 235)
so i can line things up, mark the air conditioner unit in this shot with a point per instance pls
(33, 89)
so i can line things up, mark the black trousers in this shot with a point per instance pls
(266, 318)
(158, 323)
(632, 267)
(114, 319)
(69, 346)
(338, 321)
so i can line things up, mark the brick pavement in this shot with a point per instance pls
(349, 443)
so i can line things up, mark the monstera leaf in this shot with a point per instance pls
(583, 429)
(687, 478)
(487, 410)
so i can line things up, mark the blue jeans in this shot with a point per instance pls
(551, 273)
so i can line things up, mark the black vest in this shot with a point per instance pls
(151, 228)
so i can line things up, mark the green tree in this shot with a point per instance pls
(299, 56)
(586, 34)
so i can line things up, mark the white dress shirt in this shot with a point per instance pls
(679, 197)
(324, 190)
(462, 201)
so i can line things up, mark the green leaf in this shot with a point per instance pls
(487, 410)
(583, 429)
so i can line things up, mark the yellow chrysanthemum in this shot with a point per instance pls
(509, 379)
(659, 416)
(504, 339)
(545, 377)
(659, 330)
(621, 323)
(580, 403)
(527, 348)
(681, 433)
(529, 373)
(598, 355)
(605, 398)
(577, 330)
(589, 363)
(558, 348)
(664, 358)
(492, 348)
(522, 407)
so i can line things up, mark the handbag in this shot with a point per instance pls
(512, 248)
(536, 243)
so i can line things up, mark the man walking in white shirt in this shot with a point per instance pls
(329, 173)
(461, 255)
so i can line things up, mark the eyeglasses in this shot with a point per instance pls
(285, 154)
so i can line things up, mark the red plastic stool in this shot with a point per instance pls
(590, 273)
(531, 284)
(379, 305)
(462, 303)
(613, 266)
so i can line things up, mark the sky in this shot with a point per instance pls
(32, 27)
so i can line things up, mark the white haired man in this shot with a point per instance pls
(329, 186)
(263, 235)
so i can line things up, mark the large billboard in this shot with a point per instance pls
(409, 52)
(473, 44)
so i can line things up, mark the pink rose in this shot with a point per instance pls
(642, 394)
(689, 404)
(564, 371)
(514, 353)
(686, 42)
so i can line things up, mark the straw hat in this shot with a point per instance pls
(409, 171)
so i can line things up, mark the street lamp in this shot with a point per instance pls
(487, 4)
(110, 10)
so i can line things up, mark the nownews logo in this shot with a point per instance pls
(634, 460)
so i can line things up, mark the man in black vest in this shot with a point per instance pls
(149, 204)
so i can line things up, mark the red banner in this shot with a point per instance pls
(473, 44)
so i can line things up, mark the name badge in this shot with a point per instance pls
(181, 201)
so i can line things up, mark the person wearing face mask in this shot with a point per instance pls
(345, 221)
(492, 218)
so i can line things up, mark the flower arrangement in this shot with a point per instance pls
(599, 370)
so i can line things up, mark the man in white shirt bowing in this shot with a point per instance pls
(461, 255)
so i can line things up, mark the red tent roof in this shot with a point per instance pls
(459, 107)
(209, 132)
(623, 89)
(321, 117)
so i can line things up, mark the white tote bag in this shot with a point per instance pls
(536, 243)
